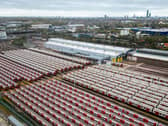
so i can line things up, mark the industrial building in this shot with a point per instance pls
(13, 24)
(88, 50)
(150, 31)
(124, 31)
(83, 35)
(41, 26)
(150, 56)
(3, 35)
(75, 27)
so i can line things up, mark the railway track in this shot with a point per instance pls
(60, 78)
(152, 116)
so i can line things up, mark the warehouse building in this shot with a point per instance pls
(97, 52)
(75, 27)
(3, 35)
(41, 26)
(149, 56)
(162, 32)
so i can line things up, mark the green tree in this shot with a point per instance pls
(19, 41)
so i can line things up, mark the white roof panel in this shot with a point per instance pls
(102, 47)
(92, 50)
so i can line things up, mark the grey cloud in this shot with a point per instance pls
(86, 5)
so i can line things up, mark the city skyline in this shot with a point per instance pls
(79, 8)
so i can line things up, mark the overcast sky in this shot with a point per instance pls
(82, 8)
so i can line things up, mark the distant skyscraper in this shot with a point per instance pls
(105, 16)
(148, 14)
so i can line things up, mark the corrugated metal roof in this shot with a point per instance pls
(150, 56)
(69, 50)
(153, 51)
(76, 25)
(91, 50)
(155, 30)
(91, 45)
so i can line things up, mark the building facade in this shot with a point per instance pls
(41, 26)
(3, 35)
(150, 56)
(85, 49)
